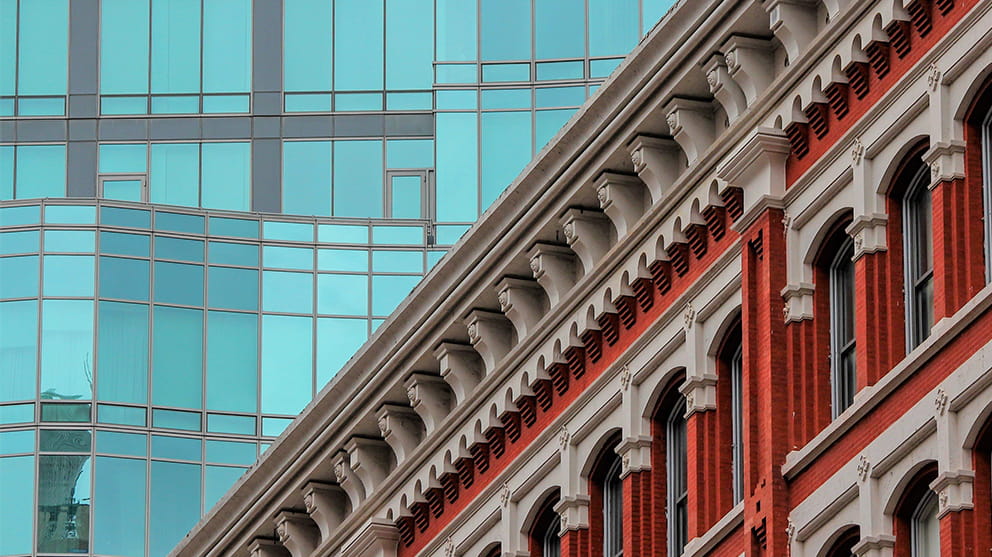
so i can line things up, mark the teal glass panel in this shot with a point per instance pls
(456, 30)
(282, 257)
(123, 415)
(167, 247)
(179, 222)
(287, 360)
(68, 275)
(23, 242)
(273, 427)
(287, 292)
(301, 102)
(123, 105)
(232, 361)
(68, 241)
(175, 504)
(389, 291)
(398, 235)
(410, 101)
(125, 279)
(16, 442)
(16, 504)
(343, 294)
(16, 413)
(185, 104)
(358, 48)
(357, 102)
(505, 29)
(175, 419)
(457, 166)
(119, 507)
(226, 423)
(337, 340)
(122, 190)
(63, 503)
(178, 283)
(175, 46)
(15, 216)
(409, 58)
(18, 349)
(65, 441)
(176, 448)
(559, 28)
(124, 47)
(43, 48)
(19, 276)
(291, 231)
(307, 46)
(553, 97)
(122, 352)
(226, 180)
(343, 260)
(216, 481)
(64, 412)
(547, 123)
(457, 100)
(128, 444)
(44, 106)
(653, 10)
(231, 452)
(226, 253)
(233, 288)
(115, 216)
(457, 73)
(495, 73)
(177, 357)
(225, 104)
(494, 99)
(67, 349)
(410, 153)
(405, 197)
(306, 178)
(123, 157)
(226, 46)
(175, 174)
(389, 261)
(220, 226)
(6, 162)
(358, 178)
(613, 27)
(40, 171)
(602, 68)
(8, 46)
(7, 106)
(342, 234)
(433, 257)
(506, 149)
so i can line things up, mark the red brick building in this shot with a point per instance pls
(739, 306)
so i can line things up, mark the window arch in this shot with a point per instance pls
(917, 234)
(835, 312)
(606, 499)
(978, 153)
(544, 538)
(677, 485)
(730, 411)
(917, 528)
(843, 544)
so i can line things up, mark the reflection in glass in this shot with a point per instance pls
(63, 503)
(175, 504)
(122, 355)
(232, 356)
(18, 349)
(67, 349)
(177, 357)
(119, 512)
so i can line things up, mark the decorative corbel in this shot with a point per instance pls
(946, 161)
(401, 428)
(461, 368)
(868, 232)
(588, 234)
(700, 393)
(793, 22)
(266, 547)
(621, 197)
(430, 397)
(635, 455)
(297, 532)
(347, 479)
(727, 92)
(490, 334)
(327, 505)
(656, 162)
(691, 124)
(369, 460)
(522, 301)
(798, 302)
(751, 64)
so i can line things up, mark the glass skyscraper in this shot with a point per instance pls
(207, 205)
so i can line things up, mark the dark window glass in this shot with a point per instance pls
(613, 511)
(123, 352)
(63, 503)
(678, 485)
(842, 341)
(918, 240)
(125, 279)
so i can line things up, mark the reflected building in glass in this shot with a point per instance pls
(206, 206)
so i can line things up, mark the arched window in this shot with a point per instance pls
(986, 138)
(925, 528)
(843, 371)
(678, 485)
(544, 539)
(613, 510)
(843, 546)
(730, 413)
(918, 247)
(916, 526)
(737, 421)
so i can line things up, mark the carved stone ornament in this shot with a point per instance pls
(564, 523)
(449, 548)
(940, 403)
(690, 399)
(535, 265)
(411, 393)
(859, 241)
(688, 315)
(504, 494)
(637, 157)
(857, 151)
(625, 461)
(504, 300)
(731, 58)
(785, 310)
(383, 426)
(864, 467)
(673, 121)
(602, 196)
(943, 498)
(308, 502)
(281, 532)
(711, 78)
(569, 230)
(625, 377)
(563, 437)
(786, 223)
(473, 333)
(790, 531)
(339, 472)
(934, 171)
(933, 77)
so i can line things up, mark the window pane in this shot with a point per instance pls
(227, 176)
(409, 58)
(8, 62)
(343, 294)
(40, 171)
(63, 503)
(68, 275)
(178, 349)
(112, 442)
(176, 46)
(122, 354)
(175, 504)
(306, 177)
(119, 507)
(125, 279)
(6, 161)
(560, 28)
(406, 202)
(175, 174)
(286, 364)
(232, 356)
(358, 45)
(18, 349)
(73, 241)
(548, 123)
(43, 49)
(337, 341)
(398, 261)
(16, 504)
(389, 291)
(358, 178)
(67, 353)
(123, 158)
(226, 46)
(505, 29)
(410, 153)
(457, 165)
(287, 292)
(233, 288)
(167, 247)
(343, 260)
(19, 276)
(307, 45)
(456, 28)
(124, 47)
(178, 283)
(233, 254)
(612, 27)
(216, 482)
(288, 258)
(506, 149)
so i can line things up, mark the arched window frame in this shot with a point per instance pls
(737, 422)
(844, 544)
(986, 139)
(843, 341)
(925, 528)
(677, 509)
(917, 529)
(917, 210)
(544, 534)
(613, 510)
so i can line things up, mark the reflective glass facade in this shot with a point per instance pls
(206, 206)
